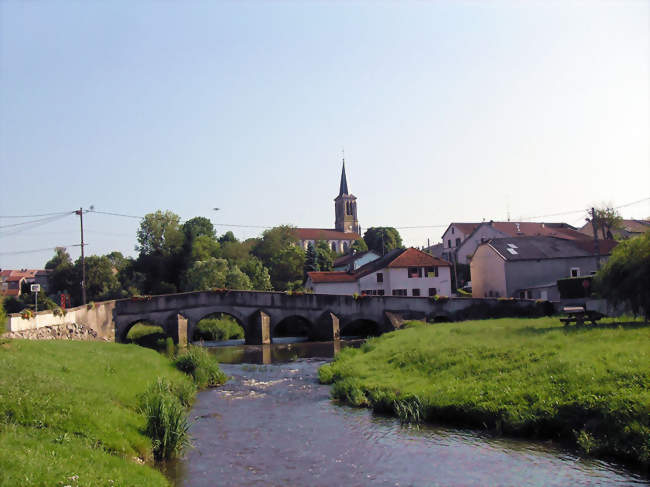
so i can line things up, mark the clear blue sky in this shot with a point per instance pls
(448, 111)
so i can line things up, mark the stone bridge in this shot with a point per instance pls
(326, 316)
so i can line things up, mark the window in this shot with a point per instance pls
(345, 246)
(449, 243)
(432, 291)
(431, 271)
(415, 272)
(452, 230)
(380, 277)
(575, 271)
(399, 292)
(415, 292)
(334, 246)
(457, 242)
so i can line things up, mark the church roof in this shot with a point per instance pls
(344, 182)
(324, 234)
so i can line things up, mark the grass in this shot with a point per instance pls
(71, 409)
(217, 329)
(201, 366)
(145, 335)
(521, 377)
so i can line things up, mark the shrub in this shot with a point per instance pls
(215, 329)
(203, 367)
(167, 423)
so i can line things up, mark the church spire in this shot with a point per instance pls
(344, 182)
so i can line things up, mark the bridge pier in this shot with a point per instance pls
(259, 329)
(178, 329)
(327, 328)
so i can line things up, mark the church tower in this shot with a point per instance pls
(345, 206)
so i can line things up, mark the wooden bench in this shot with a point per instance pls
(578, 315)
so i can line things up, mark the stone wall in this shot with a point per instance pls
(70, 331)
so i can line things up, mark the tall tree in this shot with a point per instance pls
(206, 274)
(324, 256)
(257, 273)
(101, 279)
(311, 259)
(197, 227)
(359, 245)
(279, 251)
(227, 237)
(63, 277)
(160, 234)
(608, 220)
(625, 278)
(202, 247)
(382, 239)
(236, 279)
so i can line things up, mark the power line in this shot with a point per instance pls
(115, 214)
(42, 220)
(34, 216)
(37, 250)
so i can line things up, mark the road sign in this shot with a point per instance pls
(35, 288)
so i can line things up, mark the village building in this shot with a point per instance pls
(627, 229)
(354, 260)
(529, 267)
(346, 224)
(11, 281)
(401, 272)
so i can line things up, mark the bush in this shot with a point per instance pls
(203, 367)
(167, 423)
(216, 329)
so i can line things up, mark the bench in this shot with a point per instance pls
(578, 315)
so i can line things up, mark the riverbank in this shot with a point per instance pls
(69, 413)
(521, 377)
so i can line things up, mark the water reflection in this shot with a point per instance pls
(283, 350)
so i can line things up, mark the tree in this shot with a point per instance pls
(235, 252)
(204, 246)
(279, 251)
(63, 277)
(311, 259)
(608, 219)
(236, 279)
(101, 279)
(206, 274)
(160, 234)
(382, 239)
(324, 255)
(227, 237)
(359, 245)
(625, 278)
(198, 226)
(257, 273)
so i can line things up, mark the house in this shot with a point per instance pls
(346, 225)
(401, 272)
(461, 240)
(353, 261)
(529, 267)
(11, 281)
(627, 229)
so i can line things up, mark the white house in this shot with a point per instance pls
(401, 272)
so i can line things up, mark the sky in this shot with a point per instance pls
(446, 111)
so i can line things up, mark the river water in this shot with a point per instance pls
(273, 424)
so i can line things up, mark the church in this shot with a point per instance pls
(346, 224)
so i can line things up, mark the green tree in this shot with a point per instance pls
(311, 259)
(608, 220)
(625, 278)
(101, 279)
(257, 273)
(204, 246)
(235, 252)
(359, 245)
(160, 234)
(198, 226)
(382, 239)
(63, 277)
(279, 251)
(324, 256)
(227, 237)
(236, 279)
(206, 274)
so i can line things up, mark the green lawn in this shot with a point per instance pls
(525, 377)
(69, 409)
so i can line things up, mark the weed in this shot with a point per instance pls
(203, 367)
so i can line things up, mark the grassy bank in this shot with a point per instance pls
(70, 412)
(524, 377)
(218, 328)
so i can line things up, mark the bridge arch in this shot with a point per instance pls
(360, 326)
(124, 335)
(230, 330)
(294, 325)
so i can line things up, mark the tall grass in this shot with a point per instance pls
(167, 423)
(203, 367)
(526, 377)
(216, 329)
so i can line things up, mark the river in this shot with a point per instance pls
(273, 424)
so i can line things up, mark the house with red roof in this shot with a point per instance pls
(11, 280)
(346, 225)
(401, 272)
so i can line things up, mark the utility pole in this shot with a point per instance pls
(594, 224)
(80, 212)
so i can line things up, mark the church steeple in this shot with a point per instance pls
(344, 182)
(345, 206)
